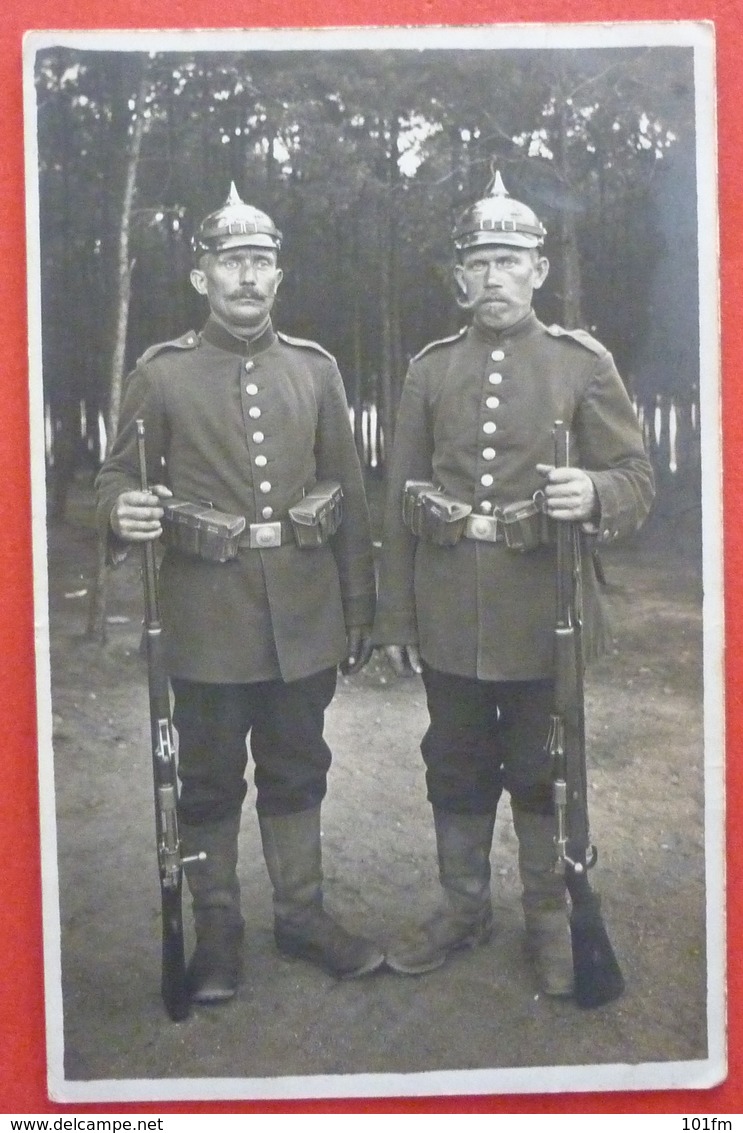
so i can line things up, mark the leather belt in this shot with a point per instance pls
(262, 536)
(485, 529)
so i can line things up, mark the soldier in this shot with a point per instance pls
(474, 616)
(250, 421)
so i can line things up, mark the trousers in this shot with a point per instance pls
(484, 737)
(284, 721)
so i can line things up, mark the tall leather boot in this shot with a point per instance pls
(544, 902)
(215, 970)
(465, 917)
(302, 927)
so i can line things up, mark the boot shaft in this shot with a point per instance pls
(213, 882)
(292, 850)
(544, 901)
(463, 845)
(542, 878)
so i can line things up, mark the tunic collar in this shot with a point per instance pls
(520, 329)
(218, 335)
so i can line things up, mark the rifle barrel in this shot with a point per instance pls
(598, 978)
(170, 863)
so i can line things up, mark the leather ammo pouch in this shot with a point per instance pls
(525, 524)
(318, 514)
(200, 530)
(432, 515)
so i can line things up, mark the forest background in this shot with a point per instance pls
(364, 158)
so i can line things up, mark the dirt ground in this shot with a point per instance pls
(292, 1031)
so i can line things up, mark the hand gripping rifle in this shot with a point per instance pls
(598, 978)
(170, 862)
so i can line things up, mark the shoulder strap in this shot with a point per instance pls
(187, 341)
(307, 343)
(582, 337)
(440, 342)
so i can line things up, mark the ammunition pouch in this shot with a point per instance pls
(526, 525)
(438, 518)
(318, 514)
(201, 530)
(432, 515)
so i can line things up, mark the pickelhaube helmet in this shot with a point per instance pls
(235, 225)
(498, 219)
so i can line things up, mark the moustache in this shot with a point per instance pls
(466, 304)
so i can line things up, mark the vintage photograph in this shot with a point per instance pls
(374, 386)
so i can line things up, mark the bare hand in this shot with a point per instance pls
(570, 493)
(360, 650)
(136, 514)
(404, 659)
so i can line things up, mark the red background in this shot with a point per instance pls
(22, 1051)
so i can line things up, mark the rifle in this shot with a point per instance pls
(598, 978)
(173, 983)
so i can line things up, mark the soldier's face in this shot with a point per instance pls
(241, 285)
(498, 282)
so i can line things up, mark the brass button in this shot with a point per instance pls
(489, 427)
(254, 411)
(267, 512)
(495, 379)
(265, 486)
(261, 461)
(259, 438)
(486, 480)
(488, 454)
(498, 355)
(492, 402)
(252, 389)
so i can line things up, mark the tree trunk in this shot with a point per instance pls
(391, 360)
(570, 274)
(396, 348)
(96, 627)
(386, 409)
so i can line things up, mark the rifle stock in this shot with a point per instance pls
(598, 977)
(170, 864)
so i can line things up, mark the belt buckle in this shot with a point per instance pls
(485, 528)
(264, 535)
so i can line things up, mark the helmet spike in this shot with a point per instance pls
(497, 188)
(233, 197)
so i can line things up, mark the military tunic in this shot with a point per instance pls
(476, 417)
(249, 427)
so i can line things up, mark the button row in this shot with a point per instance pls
(490, 427)
(261, 461)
